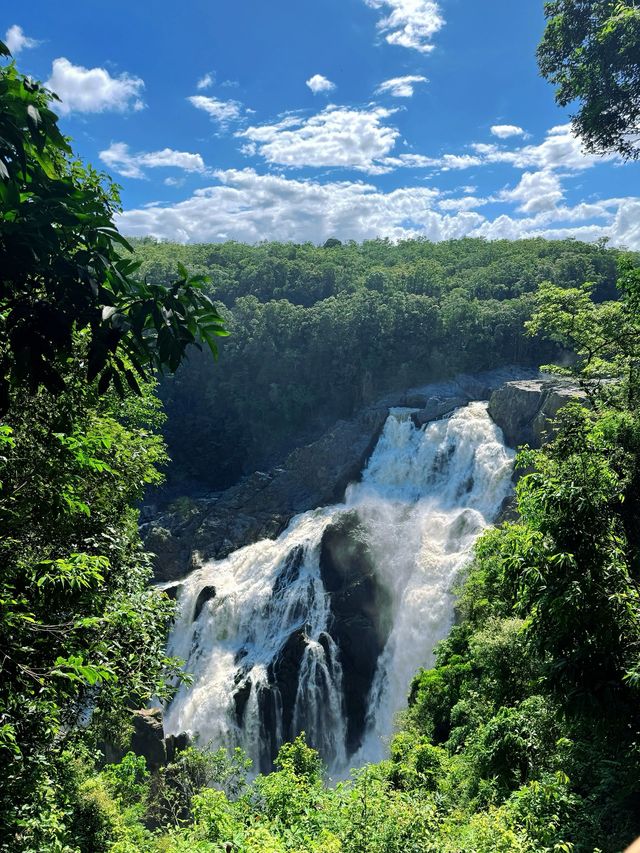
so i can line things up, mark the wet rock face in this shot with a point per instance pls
(173, 591)
(261, 506)
(284, 675)
(207, 593)
(436, 408)
(276, 699)
(360, 609)
(290, 571)
(360, 625)
(525, 409)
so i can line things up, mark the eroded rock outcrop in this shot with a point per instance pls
(148, 741)
(276, 698)
(261, 506)
(359, 628)
(524, 409)
(148, 737)
(361, 615)
(207, 593)
(436, 408)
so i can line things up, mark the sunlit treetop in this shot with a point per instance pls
(591, 53)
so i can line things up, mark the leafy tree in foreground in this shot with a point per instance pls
(591, 53)
(64, 277)
(81, 632)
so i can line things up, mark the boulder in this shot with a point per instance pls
(241, 697)
(175, 744)
(556, 399)
(524, 410)
(436, 408)
(171, 551)
(148, 737)
(415, 399)
(207, 593)
(147, 740)
(173, 590)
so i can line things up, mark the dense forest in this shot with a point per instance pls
(524, 736)
(318, 332)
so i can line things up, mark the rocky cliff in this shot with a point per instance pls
(524, 409)
(261, 505)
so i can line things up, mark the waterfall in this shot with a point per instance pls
(322, 629)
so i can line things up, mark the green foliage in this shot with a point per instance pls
(318, 333)
(415, 763)
(534, 695)
(174, 788)
(375, 817)
(604, 337)
(291, 795)
(522, 738)
(66, 272)
(127, 780)
(543, 809)
(82, 633)
(590, 52)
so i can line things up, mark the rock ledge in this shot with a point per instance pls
(524, 409)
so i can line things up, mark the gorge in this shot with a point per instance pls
(322, 629)
(263, 589)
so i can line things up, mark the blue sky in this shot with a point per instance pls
(302, 120)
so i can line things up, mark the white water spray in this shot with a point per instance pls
(264, 663)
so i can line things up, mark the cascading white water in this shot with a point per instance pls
(264, 593)
(264, 663)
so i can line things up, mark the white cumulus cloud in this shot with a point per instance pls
(467, 202)
(626, 225)
(409, 23)
(318, 83)
(560, 149)
(400, 87)
(250, 207)
(223, 112)
(444, 163)
(206, 81)
(337, 136)
(16, 40)
(121, 160)
(93, 90)
(536, 192)
(349, 137)
(246, 206)
(504, 131)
